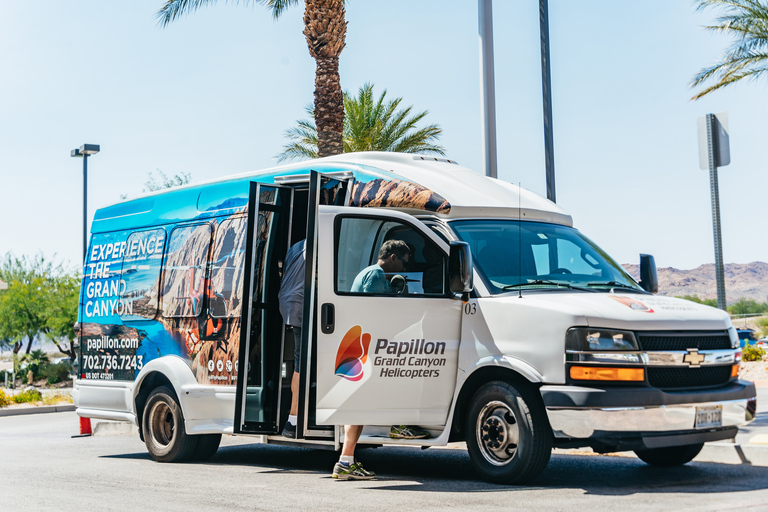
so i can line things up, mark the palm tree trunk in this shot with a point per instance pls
(328, 116)
(325, 30)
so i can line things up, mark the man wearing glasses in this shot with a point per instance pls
(394, 257)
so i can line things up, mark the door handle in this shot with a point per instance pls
(327, 318)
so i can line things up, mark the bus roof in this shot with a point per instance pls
(412, 183)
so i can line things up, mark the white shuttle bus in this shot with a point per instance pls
(509, 329)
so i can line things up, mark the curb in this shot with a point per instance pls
(729, 453)
(37, 410)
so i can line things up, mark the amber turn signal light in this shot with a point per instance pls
(607, 373)
(735, 370)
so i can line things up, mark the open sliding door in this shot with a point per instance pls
(323, 190)
(259, 364)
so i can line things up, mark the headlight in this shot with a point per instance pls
(585, 338)
(735, 342)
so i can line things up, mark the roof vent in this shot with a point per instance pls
(435, 159)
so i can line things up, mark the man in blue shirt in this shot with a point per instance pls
(394, 257)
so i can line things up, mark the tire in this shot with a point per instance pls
(163, 425)
(671, 456)
(207, 445)
(507, 432)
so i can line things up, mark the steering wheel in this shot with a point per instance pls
(398, 284)
(561, 271)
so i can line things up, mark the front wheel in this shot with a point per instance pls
(508, 435)
(671, 456)
(163, 427)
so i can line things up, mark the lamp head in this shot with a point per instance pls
(89, 149)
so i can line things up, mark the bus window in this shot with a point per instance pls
(184, 270)
(359, 242)
(140, 273)
(225, 299)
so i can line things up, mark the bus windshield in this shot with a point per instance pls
(511, 254)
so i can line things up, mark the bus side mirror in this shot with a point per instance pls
(460, 269)
(649, 279)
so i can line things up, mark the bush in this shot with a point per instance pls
(762, 325)
(4, 399)
(56, 372)
(27, 396)
(752, 353)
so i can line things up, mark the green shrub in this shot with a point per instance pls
(4, 399)
(762, 325)
(56, 372)
(32, 395)
(752, 353)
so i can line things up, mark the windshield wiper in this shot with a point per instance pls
(615, 284)
(542, 281)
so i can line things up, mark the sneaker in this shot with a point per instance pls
(289, 431)
(352, 471)
(407, 432)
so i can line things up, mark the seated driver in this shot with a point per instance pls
(394, 257)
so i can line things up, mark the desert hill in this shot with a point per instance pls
(749, 281)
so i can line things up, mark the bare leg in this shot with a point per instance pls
(351, 435)
(295, 394)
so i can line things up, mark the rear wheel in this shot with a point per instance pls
(207, 445)
(163, 426)
(671, 456)
(508, 435)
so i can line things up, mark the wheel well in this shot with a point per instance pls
(150, 382)
(470, 387)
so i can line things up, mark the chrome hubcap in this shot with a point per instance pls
(497, 433)
(161, 424)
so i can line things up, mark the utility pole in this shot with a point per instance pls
(487, 88)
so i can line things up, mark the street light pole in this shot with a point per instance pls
(85, 151)
(546, 94)
(487, 87)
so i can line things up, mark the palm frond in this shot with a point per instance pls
(370, 124)
(175, 9)
(747, 57)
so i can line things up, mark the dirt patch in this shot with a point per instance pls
(754, 371)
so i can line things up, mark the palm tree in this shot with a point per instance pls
(747, 21)
(325, 30)
(370, 125)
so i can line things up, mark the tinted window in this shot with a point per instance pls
(227, 263)
(140, 272)
(358, 243)
(184, 270)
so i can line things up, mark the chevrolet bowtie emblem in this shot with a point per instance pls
(693, 358)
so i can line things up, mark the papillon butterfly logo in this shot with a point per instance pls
(352, 354)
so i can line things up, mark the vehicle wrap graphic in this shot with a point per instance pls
(395, 193)
(632, 304)
(352, 354)
(169, 291)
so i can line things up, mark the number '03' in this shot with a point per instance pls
(470, 308)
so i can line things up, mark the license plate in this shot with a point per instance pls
(709, 416)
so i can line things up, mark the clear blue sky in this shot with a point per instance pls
(213, 93)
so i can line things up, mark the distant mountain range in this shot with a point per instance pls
(749, 281)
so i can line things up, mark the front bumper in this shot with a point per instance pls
(650, 415)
